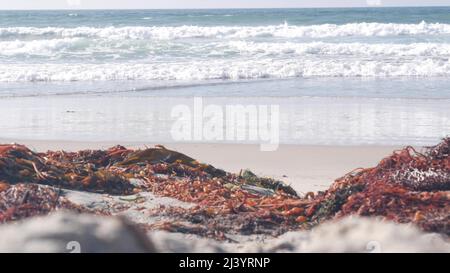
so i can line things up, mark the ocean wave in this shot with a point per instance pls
(93, 48)
(375, 51)
(282, 31)
(39, 47)
(222, 69)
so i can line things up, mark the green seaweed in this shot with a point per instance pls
(332, 205)
(250, 178)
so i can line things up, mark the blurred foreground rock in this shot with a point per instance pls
(355, 234)
(70, 232)
(352, 234)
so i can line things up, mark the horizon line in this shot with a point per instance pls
(230, 8)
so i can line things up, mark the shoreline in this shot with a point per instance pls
(307, 168)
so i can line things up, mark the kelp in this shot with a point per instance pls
(162, 155)
(267, 183)
(84, 170)
(207, 223)
(25, 200)
(121, 171)
(405, 187)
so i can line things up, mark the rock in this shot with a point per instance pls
(68, 232)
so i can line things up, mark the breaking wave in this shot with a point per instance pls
(441, 50)
(222, 69)
(87, 49)
(283, 30)
(29, 54)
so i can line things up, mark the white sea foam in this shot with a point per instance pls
(283, 30)
(223, 69)
(378, 51)
(342, 49)
(160, 53)
(38, 47)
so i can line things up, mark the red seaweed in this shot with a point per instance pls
(405, 187)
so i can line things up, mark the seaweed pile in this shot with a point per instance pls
(26, 200)
(406, 187)
(85, 170)
(121, 171)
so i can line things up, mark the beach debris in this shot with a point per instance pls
(405, 187)
(84, 170)
(132, 198)
(266, 183)
(160, 154)
(25, 200)
(119, 171)
(258, 190)
(3, 186)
